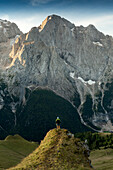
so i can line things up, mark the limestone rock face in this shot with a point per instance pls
(8, 33)
(8, 30)
(75, 62)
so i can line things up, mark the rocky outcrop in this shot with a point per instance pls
(75, 62)
(8, 30)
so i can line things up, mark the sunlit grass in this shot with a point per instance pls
(102, 159)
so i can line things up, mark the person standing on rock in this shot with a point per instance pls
(58, 121)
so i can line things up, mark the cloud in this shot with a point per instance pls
(38, 2)
(26, 23)
(98, 20)
(103, 23)
(5, 17)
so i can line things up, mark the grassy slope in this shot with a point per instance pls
(102, 159)
(57, 151)
(13, 149)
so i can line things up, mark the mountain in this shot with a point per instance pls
(58, 150)
(76, 63)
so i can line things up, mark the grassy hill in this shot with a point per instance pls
(13, 149)
(58, 150)
(102, 159)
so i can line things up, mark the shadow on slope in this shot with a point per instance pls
(40, 112)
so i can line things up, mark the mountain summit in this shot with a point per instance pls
(75, 62)
(58, 150)
(56, 20)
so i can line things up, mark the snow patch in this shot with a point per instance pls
(99, 83)
(65, 62)
(80, 78)
(98, 44)
(72, 74)
(90, 82)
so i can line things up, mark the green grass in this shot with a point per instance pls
(57, 151)
(102, 159)
(13, 149)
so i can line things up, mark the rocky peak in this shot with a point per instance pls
(91, 27)
(93, 33)
(8, 30)
(55, 20)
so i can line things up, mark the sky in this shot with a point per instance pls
(30, 13)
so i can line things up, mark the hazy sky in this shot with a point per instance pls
(29, 13)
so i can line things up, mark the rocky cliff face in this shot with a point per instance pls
(8, 34)
(8, 30)
(75, 62)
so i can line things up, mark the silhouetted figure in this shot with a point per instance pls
(58, 121)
